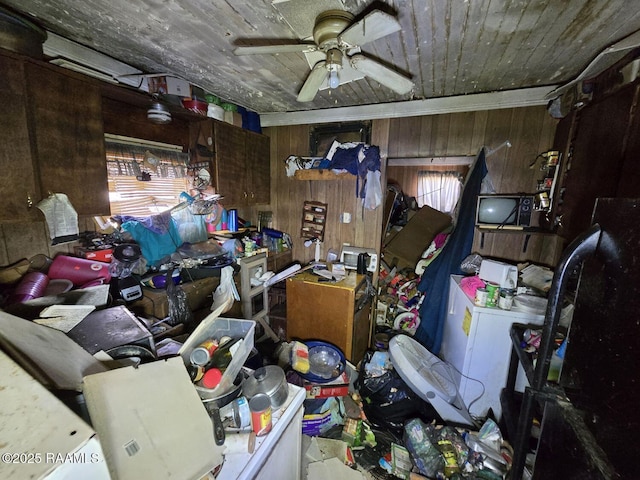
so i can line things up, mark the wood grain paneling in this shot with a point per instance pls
(529, 130)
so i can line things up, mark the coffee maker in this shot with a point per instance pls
(125, 259)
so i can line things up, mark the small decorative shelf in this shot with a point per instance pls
(314, 215)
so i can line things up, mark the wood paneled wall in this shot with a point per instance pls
(289, 194)
(529, 130)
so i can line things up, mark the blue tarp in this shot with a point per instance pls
(435, 279)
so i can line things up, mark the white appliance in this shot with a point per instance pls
(349, 256)
(430, 378)
(476, 342)
(504, 274)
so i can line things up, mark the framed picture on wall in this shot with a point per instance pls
(322, 136)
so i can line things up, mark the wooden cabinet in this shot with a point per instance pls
(17, 182)
(599, 149)
(242, 165)
(52, 140)
(337, 313)
(66, 123)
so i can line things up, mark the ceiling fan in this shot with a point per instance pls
(335, 52)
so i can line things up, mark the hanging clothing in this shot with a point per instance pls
(435, 279)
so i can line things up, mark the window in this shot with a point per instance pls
(439, 190)
(145, 178)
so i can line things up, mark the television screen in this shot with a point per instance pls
(497, 210)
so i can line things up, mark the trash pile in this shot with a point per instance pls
(369, 423)
(419, 450)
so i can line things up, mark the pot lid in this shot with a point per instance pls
(268, 379)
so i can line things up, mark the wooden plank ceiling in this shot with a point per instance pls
(447, 47)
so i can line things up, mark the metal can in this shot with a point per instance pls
(201, 355)
(505, 300)
(481, 297)
(260, 406)
(241, 412)
(493, 291)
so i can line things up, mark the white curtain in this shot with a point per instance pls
(439, 190)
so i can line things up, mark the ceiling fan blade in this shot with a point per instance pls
(273, 49)
(313, 82)
(381, 74)
(374, 25)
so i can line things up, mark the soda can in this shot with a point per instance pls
(260, 406)
(201, 355)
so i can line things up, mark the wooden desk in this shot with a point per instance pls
(338, 313)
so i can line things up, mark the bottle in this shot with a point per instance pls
(223, 355)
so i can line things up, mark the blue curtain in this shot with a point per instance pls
(435, 279)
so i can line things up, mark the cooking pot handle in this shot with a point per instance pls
(260, 374)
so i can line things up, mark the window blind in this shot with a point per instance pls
(144, 178)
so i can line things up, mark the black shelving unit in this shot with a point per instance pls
(519, 410)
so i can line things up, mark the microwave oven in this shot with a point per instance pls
(349, 257)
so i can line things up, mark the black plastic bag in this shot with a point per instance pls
(388, 401)
(179, 311)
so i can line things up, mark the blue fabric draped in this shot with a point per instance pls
(435, 279)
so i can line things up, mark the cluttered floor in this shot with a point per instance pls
(377, 427)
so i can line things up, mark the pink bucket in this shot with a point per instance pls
(80, 271)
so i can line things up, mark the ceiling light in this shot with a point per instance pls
(333, 65)
(159, 113)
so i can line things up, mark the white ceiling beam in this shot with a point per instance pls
(434, 106)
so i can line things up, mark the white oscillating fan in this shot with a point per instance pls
(430, 378)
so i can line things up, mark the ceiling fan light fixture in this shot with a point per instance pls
(333, 65)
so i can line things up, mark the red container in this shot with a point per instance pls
(79, 270)
(195, 106)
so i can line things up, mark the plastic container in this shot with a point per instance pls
(195, 106)
(32, 285)
(79, 270)
(215, 327)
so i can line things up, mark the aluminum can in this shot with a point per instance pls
(201, 355)
(481, 297)
(260, 406)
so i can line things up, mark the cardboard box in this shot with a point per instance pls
(316, 423)
(406, 247)
(154, 301)
(35, 424)
(338, 387)
(168, 85)
(149, 420)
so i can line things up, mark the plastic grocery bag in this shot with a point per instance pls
(226, 293)
(373, 190)
(179, 311)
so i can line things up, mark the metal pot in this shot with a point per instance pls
(269, 380)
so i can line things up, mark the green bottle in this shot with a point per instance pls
(223, 355)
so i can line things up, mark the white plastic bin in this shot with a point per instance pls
(215, 327)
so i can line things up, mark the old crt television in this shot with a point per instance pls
(514, 212)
